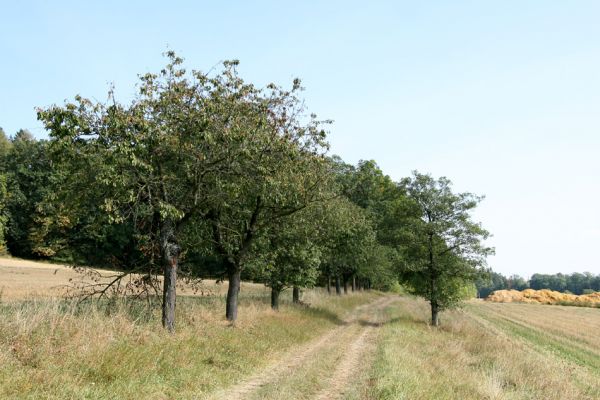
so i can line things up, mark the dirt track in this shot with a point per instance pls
(348, 344)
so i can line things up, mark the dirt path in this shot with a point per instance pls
(352, 340)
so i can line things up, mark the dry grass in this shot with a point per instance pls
(24, 279)
(55, 349)
(568, 333)
(472, 357)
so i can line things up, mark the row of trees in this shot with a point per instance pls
(576, 283)
(208, 175)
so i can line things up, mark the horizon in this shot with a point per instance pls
(501, 99)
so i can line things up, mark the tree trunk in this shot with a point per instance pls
(170, 256)
(169, 294)
(338, 288)
(328, 284)
(232, 292)
(435, 317)
(345, 285)
(353, 283)
(296, 295)
(275, 299)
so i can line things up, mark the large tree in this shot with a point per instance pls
(211, 150)
(29, 178)
(444, 249)
(280, 170)
(347, 240)
(153, 161)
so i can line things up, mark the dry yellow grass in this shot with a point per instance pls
(575, 328)
(55, 349)
(24, 279)
(475, 356)
(543, 296)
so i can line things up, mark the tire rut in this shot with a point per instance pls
(350, 363)
(298, 356)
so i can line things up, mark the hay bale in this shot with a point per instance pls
(543, 296)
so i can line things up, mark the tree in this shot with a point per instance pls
(5, 147)
(191, 148)
(377, 196)
(444, 249)
(517, 282)
(153, 160)
(489, 282)
(348, 240)
(292, 255)
(277, 168)
(29, 179)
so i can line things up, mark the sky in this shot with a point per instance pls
(502, 97)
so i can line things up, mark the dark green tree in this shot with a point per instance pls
(292, 255)
(444, 249)
(191, 148)
(153, 160)
(5, 147)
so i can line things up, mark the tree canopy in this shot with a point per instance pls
(205, 174)
(445, 249)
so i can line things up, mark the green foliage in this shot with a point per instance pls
(444, 250)
(3, 216)
(228, 178)
(36, 227)
(576, 283)
(291, 255)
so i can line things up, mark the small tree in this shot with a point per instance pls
(5, 146)
(443, 247)
(293, 255)
(347, 239)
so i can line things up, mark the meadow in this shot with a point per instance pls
(363, 345)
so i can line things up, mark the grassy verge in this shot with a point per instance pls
(55, 350)
(466, 360)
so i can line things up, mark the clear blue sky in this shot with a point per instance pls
(502, 97)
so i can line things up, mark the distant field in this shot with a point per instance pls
(365, 345)
(24, 279)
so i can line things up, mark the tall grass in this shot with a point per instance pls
(57, 349)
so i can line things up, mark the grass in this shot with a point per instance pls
(472, 357)
(562, 332)
(53, 349)
(56, 349)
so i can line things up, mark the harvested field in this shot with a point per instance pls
(479, 354)
(570, 332)
(544, 296)
(24, 279)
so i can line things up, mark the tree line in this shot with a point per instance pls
(575, 283)
(208, 175)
